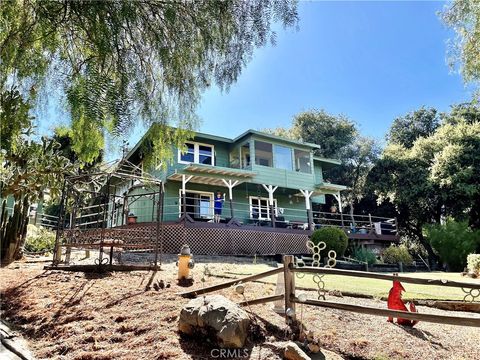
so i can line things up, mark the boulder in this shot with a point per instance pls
(214, 312)
(293, 352)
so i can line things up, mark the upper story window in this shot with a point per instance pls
(197, 153)
(302, 161)
(263, 153)
(283, 157)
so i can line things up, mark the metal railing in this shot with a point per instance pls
(291, 217)
(203, 210)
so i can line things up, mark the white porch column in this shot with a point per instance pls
(271, 189)
(185, 180)
(307, 194)
(230, 185)
(339, 200)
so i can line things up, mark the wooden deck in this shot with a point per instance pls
(207, 238)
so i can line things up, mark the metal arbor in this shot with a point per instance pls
(94, 214)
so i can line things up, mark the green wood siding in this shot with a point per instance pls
(294, 206)
(289, 182)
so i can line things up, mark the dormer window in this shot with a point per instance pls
(196, 153)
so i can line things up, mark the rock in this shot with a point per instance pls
(314, 348)
(229, 322)
(293, 352)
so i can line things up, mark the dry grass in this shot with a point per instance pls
(120, 316)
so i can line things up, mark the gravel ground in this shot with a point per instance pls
(121, 316)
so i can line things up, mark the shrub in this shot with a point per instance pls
(365, 255)
(453, 241)
(473, 263)
(39, 240)
(334, 237)
(395, 254)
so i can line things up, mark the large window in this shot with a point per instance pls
(197, 153)
(199, 205)
(263, 153)
(302, 161)
(259, 208)
(283, 157)
(205, 154)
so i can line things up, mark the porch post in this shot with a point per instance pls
(185, 180)
(339, 200)
(230, 184)
(271, 189)
(307, 195)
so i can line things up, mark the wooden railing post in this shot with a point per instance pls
(288, 261)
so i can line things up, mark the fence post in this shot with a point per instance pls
(288, 261)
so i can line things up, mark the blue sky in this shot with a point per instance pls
(371, 61)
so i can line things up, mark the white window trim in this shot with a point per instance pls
(250, 198)
(196, 153)
(208, 193)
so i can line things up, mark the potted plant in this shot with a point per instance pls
(131, 219)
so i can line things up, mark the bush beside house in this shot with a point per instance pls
(39, 240)
(334, 237)
(473, 264)
(397, 254)
(453, 242)
(365, 255)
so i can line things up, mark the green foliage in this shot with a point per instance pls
(454, 241)
(365, 255)
(332, 132)
(15, 120)
(463, 16)
(121, 62)
(39, 239)
(29, 168)
(334, 237)
(33, 168)
(437, 174)
(454, 154)
(405, 130)
(473, 263)
(338, 137)
(396, 254)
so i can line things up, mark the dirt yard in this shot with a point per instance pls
(123, 315)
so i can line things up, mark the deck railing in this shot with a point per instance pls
(245, 214)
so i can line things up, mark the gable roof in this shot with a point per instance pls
(275, 137)
(239, 138)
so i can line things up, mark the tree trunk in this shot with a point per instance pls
(433, 258)
(351, 213)
(474, 216)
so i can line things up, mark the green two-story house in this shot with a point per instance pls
(256, 174)
(253, 194)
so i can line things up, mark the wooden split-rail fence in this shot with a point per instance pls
(291, 300)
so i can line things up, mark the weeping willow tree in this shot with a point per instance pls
(463, 16)
(120, 62)
(114, 64)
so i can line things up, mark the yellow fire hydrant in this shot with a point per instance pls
(185, 263)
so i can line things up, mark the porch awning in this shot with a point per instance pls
(328, 188)
(212, 175)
